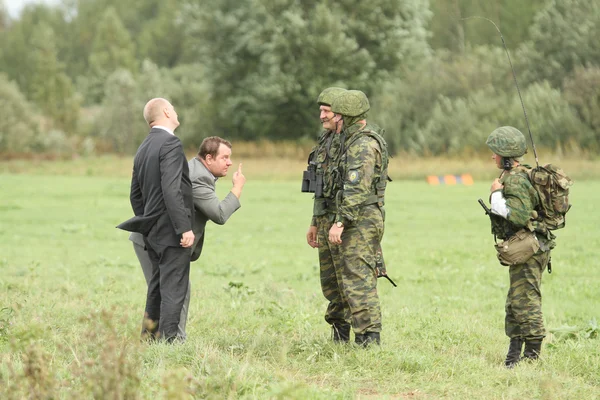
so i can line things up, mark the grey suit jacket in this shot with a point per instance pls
(206, 203)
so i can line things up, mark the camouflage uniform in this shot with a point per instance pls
(355, 192)
(524, 300)
(337, 314)
(523, 320)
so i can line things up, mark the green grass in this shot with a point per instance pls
(72, 296)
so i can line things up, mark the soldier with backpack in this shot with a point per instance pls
(517, 216)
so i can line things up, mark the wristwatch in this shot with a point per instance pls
(339, 224)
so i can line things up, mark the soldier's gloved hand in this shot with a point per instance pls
(311, 237)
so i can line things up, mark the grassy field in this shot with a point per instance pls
(72, 296)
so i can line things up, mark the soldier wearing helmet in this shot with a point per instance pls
(320, 155)
(525, 246)
(318, 161)
(355, 195)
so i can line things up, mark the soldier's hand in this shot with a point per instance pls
(335, 234)
(187, 239)
(311, 237)
(496, 185)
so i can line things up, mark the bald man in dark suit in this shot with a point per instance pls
(162, 201)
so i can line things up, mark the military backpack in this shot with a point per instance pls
(552, 185)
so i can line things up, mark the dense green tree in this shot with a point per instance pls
(4, 17)
(189, 90)
(16, 40)
(162, 38)
(406, 104)
(112, 49)
(121, 122)
(269, 59)
(454, 28)
(21, 124)
(582, 91)
(564, 36)
(48, 86)
(554, 123)
(252, 69)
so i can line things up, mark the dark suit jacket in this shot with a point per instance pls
(161, 191)
(207, 204)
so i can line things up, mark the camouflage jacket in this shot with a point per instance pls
(359, 173)
(322, 154)
(521, 200)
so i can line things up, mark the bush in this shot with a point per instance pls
(21, 123)
(554, 123)
(582, 91)
(405, 105)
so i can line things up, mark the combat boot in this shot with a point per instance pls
(340, 333)
(367, 338)
(533, 349)
(514, 352)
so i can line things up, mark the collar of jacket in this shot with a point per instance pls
(199, 160)
(353, 130)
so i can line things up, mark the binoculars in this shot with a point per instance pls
(312, 182)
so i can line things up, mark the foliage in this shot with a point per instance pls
(554, 123)
(251, 69)
(406, 105)
(582, 91)
(104, 365)
(268, 60)
(112, 49)
(120, 121)
(562, 37)
(591, 331)
(6, 314)
(19, 132)
(48, 86)
(452, 29)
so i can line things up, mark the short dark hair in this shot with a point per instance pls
(210, 145)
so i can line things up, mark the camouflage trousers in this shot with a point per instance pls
(348, 276)
(524, 301)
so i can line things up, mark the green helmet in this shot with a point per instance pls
(326, 97)
(351, 103)
(507, 141)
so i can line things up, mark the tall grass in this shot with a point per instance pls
(72, 295)
(287, 161)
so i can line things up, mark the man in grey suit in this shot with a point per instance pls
(211, 163)
(162, 201)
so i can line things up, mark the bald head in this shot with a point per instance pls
(153, 110)
(159, 111)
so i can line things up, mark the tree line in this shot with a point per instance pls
(76, 75)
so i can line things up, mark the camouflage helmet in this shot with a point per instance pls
(351, 103)
(326, 97)
(507, 141)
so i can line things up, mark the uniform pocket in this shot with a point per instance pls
(518, 249)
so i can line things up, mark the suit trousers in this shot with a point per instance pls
(166, 290)
(146, 264)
